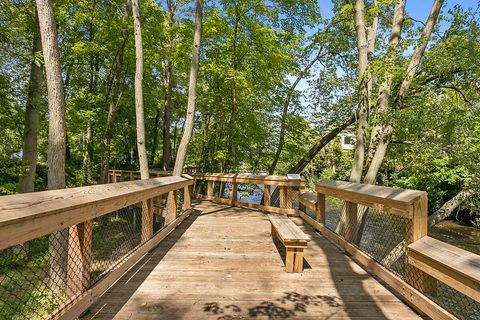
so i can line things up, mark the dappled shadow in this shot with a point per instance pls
(123, 290)
(291, 304)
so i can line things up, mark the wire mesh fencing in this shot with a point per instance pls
(46, 274)
(383, 236)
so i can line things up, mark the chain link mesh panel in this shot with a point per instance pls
(48, 273)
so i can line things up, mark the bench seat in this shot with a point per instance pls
(293, 238)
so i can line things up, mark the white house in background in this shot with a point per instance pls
(347, 140)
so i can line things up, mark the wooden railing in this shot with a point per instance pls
(413, 266)
(31, 216)
(128, 175)
(286, 187)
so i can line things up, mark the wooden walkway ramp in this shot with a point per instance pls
(221, 263)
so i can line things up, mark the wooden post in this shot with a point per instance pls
(418, 228)
(79, 258)
(351, 211)
(320, 208)
(233, 200)
(210, 190)
(147, 220)
(186, 198)
(172, 205)
(283, 197)
(131, 176)
(266, 195)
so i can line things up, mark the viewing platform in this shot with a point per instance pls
(201, 247)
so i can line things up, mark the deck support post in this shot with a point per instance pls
(186, 198)
(320, 208)
(172, 205)
(210, 190)
(234, 193)
(147, 220)
(266, 195)
(351, 222)
(418, 228)
(79, 258)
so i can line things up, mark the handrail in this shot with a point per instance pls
(285, 184)
(426, 261)
(31, 215)
(249, 178)
(67, 215)
(393, 200)
(458, 268)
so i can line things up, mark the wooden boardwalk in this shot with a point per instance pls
(222, 264)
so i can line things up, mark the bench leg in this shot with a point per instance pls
(289, 259)
(274, 232)
(298, 265)
(294, 260)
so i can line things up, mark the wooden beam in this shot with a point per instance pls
(453, 266)
(79, 304)
(266, 195)
(209, 190)
(234, 192)
(79, 258)
(186, 198)
(147, 220)
(408, 293)
(250, 179)
(251, 205)
(172, 205)
(27, 216)
(320, 208)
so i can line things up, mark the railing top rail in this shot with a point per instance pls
(248, 178)
(30, 215)
(397, 198)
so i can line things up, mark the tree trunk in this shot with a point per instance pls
(283, 121)
(447, 209)
(385, 89)
(385, 136)
(324, 140)
(167, 117)
(58, 241)
(168, 82)
(113, 104)
(192, 92)
(139, 111)
(27, 182)
(360, 29)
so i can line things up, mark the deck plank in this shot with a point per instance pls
(223, 264)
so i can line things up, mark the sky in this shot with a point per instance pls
(416, 9)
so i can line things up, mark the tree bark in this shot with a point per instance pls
(385, 88)
(113, 104)
(58, 241)
(139, 109)
(168, 82)
(360, 30)
(385, 135)
(447, 209)
(27, 182)
(192, 92)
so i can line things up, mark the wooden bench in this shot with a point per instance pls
(294, 240)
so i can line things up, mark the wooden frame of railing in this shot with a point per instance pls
(284, 184)
(429, 257)
(27, 216)
(129, 175)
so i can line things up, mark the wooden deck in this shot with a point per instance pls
(221, 263)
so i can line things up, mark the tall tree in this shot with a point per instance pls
(139, 108)
(58, 241)
(385, 133)
(114, 100)
(27, 181)
(192, 91)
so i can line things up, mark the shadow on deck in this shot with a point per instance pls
(221, 263)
